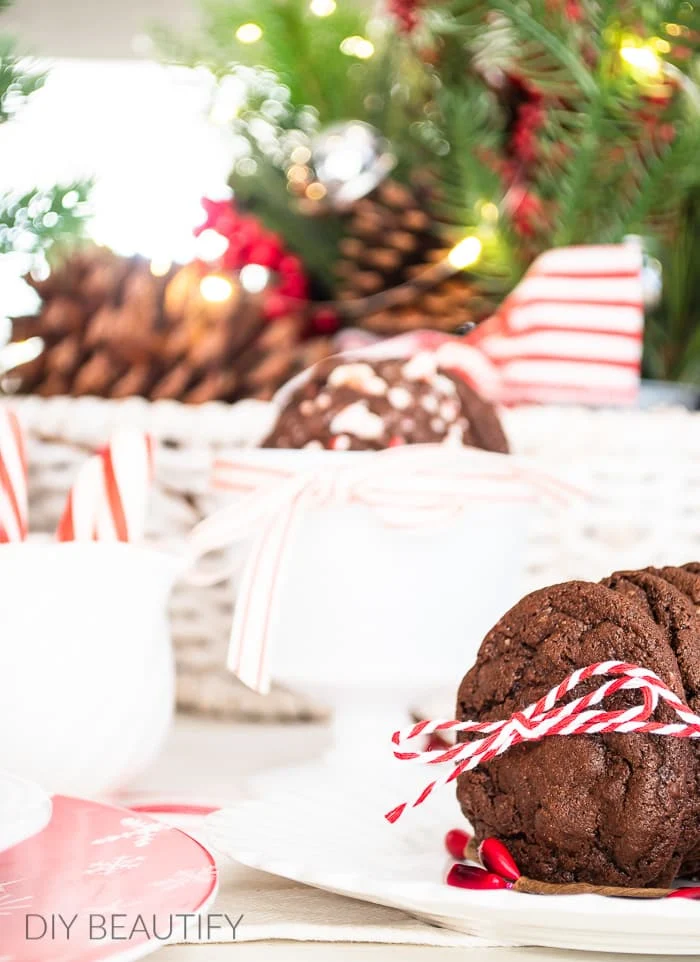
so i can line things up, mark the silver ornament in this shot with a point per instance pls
(350, 159)
(651, 273)
(652, 282)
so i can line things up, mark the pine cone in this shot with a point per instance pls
(113, 329)
(391, 241)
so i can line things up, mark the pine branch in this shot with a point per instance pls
(17, 83)
(37, 220)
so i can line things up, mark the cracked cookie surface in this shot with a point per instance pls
(671, 596)
(604, 809)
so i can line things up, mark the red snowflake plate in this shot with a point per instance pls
(101, 883)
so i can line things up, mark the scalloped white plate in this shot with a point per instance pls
(25, 809)
(324, 826)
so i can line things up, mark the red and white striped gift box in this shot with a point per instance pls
(570, 332)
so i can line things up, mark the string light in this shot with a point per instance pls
(642, 58)
(211, 245)
(316, 191)
(298, 174)
(254, 278)
(160, 266)
(674, 29)
(489, 212)
(301, 155)
(322, 8)
(249, 33)
(358, 47)
(215, 289)
(661, 45)
(465, 253)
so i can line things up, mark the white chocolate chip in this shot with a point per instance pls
(306, 408)
(454, 434)
(314, 444)
(438, 425)
(421, 367)
(429, 403)
(357, 419)
(360, 376)
(407, 424)
(323, 401)
(449, 410)
(444, 384)
(399, 398)
(341, 443)
(375, 386)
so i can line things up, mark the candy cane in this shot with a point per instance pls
(79, 519)
(13, 478)
(548, 717)
(127, 479)
(109, 499)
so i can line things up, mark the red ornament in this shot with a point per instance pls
(456, 842)
(471, 877)
(495, 857)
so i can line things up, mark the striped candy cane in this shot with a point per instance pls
(548, 717)
(13, 478)
(127, 478)
(109, 499)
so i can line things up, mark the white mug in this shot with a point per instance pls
(86, 662)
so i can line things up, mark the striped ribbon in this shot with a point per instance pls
(585, 715)
(412, 487)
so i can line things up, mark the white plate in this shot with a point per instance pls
(25, 809)
(324, 826)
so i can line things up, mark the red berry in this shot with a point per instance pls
(326, 321)
(496, 858)
(456, 842)
(433, 742)
(472, 877)
(687, 893)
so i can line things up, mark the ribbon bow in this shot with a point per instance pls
(414, 487)
(547, 717)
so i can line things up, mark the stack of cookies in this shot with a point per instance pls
(360, 405)
(610, 810)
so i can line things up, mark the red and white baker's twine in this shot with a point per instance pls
(546, 717)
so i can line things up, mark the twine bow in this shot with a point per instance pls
(548, 717)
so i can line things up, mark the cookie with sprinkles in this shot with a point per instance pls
(356, 405)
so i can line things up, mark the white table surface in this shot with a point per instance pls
(211, 761)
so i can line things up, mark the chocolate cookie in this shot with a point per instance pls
(686, 579)
(679, 619)
(360, 405)
(603, 809)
